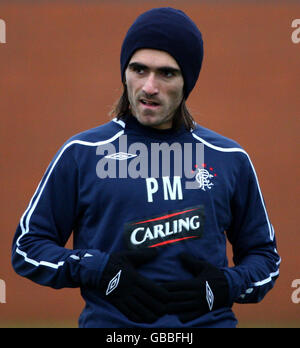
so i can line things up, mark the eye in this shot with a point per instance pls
(138, 69)
(167, 73)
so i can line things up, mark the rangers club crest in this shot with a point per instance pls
(204, 176)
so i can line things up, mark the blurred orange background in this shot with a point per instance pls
(60, 75)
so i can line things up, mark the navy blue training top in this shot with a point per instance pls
(123, 186)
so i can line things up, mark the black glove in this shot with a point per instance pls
(197, 296)
(137, 297)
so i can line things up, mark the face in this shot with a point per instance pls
(155, 87)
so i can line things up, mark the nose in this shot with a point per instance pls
(150, 86)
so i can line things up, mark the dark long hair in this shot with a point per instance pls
(121, 110)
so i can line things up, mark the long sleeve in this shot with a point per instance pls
(38, 251)
(253, 241)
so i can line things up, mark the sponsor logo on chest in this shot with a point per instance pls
(171, 227)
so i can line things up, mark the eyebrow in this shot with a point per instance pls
(136, 65)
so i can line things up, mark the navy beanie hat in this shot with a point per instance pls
(171, 30)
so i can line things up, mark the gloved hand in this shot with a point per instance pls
(138, 298)
(207, 291)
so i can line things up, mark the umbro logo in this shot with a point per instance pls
(120, 156)
(113, 284)
(209, 296)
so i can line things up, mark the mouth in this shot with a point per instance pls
(149, 103)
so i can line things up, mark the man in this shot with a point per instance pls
(150, 197)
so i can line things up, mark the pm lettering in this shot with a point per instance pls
(171, 191)
(2, 31)
(2, 291)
